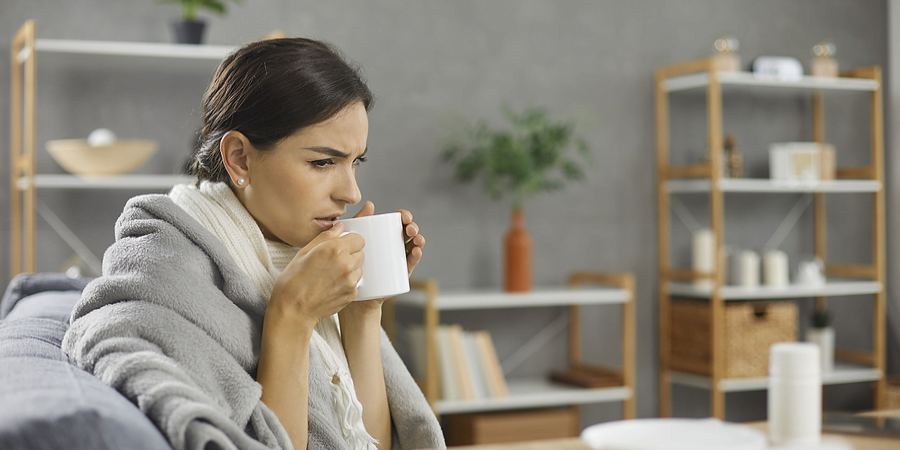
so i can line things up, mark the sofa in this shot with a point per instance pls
(46, 402)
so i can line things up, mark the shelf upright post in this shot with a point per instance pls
(717, 210)
(665, 172)
(820, 226)
(22, 106)
(624, 281)
(878, 233)
(662, 216)
(432, 377)
(879, 241)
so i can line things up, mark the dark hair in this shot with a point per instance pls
(269, 89)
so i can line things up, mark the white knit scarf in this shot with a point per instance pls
(219, 211)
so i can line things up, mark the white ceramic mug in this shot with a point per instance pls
(384, 272)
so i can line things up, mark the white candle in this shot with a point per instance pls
(749, 262)
(775, 268)
(703, 256)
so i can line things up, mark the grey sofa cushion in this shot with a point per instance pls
(47, 403)
(25, 285)
(54, 305)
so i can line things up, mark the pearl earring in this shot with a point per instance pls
(240, 182)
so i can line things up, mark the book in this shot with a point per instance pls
(473, 363)
(457, 347)
(416, 336)
(492, 364)
(449, 388)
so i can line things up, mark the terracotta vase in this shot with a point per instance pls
(517, 255)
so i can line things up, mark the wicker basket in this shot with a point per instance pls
(750, 329)
(892, 400)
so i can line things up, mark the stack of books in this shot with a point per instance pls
(468, 365)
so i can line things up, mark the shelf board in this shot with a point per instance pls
(843, 373)
(535, 393)
(157, 182)
(765, 185)
(748, 79)
(493, 299)
(833, 287)
(102, 55)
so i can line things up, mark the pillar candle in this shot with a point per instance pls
(775, 268)
(749, 262)
(703, 256)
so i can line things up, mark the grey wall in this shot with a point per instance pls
(433, 64)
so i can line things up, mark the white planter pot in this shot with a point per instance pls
(824, 338)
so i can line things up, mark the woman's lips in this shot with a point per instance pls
(326, 224)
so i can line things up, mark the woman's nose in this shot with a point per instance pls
(347, 190)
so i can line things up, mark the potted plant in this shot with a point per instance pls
(821, 333)
(531, 157)
(189, 30)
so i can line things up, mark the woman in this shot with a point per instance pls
(225, 308)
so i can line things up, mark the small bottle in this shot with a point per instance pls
(795, 394)
(734, 160)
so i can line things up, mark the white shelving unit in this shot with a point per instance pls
(702, 76)
(61, 55)
(530, 392)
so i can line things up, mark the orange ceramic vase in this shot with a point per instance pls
(517, 255)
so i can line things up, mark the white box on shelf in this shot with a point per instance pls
(801, 162)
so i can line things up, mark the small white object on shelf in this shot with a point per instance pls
(775, 269)
(101, 137)
(810, 273)
(673, 434)
(824, 338)
(703, 256)
(748, 260)
(777, 68)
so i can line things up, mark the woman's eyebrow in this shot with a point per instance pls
(328, 151)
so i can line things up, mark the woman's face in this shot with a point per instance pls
(296, 190)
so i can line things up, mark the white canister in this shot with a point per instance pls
(703, 256)
(824, 338)
(775, 268)
(749, 272)
(795, 394)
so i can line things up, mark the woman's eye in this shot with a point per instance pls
(322, 163)
(360, 160)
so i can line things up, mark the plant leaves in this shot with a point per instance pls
(528, 159)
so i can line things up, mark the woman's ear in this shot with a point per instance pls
(235, 149)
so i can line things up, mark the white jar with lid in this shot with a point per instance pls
(795, 394)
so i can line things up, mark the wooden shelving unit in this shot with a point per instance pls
(60, 54)
(868, 279)
(527, 393)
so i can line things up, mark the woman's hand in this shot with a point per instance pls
(322, 278)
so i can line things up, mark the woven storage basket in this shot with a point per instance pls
(893, 393)
(750, 329)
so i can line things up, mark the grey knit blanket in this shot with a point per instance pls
(175, 325)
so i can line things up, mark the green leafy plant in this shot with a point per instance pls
(531, 157)
(821, 318)
(189, 8)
